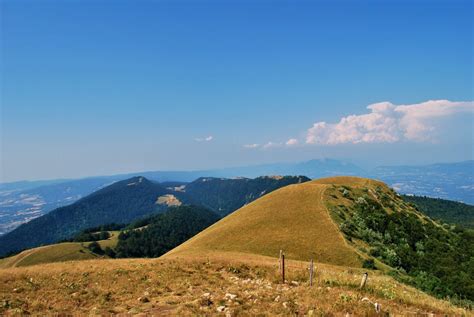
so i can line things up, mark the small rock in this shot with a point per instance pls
(310, 313)
(378, 307)
(206, 295)
(143, 299)
(146, 293)
(230, 296)
(221, 309)
(295, 283)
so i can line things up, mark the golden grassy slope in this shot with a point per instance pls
(190, 287)
(293, 219)
(60, 252)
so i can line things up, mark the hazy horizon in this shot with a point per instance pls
(365, 168)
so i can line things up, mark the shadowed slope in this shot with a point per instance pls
(292, 218)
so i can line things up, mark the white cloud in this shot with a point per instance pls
(251, 146)
(387, 122)
(270, 145)
(206, 139)
(292, 142)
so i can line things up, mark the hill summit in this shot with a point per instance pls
(293, 219)
(348, 221)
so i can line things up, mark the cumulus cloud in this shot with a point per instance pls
(205, 139)
(387, 122)
(292, 142)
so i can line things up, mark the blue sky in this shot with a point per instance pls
(102, 87)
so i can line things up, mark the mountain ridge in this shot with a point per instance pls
(134, 198)
(436, 180)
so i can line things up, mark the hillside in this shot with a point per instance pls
(163, 232)
(135, 198)
(346, 221)
(121, 202)
(293, 219)
(228, 284)
(380, 224)
(60, 252)
(227, 195)
(20, 205)
(445, 210)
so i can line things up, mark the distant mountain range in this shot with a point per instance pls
(137, 197)
(23, 201)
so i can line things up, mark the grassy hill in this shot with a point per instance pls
(61, 252)
(352, 222)
(293, 218)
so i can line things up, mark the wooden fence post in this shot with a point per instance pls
(364, 280)
(279, 260)
(311, 267)
(283, 268)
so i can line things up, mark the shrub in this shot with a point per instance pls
(94, 247)
(369, 264)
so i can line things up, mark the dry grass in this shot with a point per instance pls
(198, 286)
(292, 218)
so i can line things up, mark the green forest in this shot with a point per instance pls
(446, 210)
(163, 232)
(437, 258)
